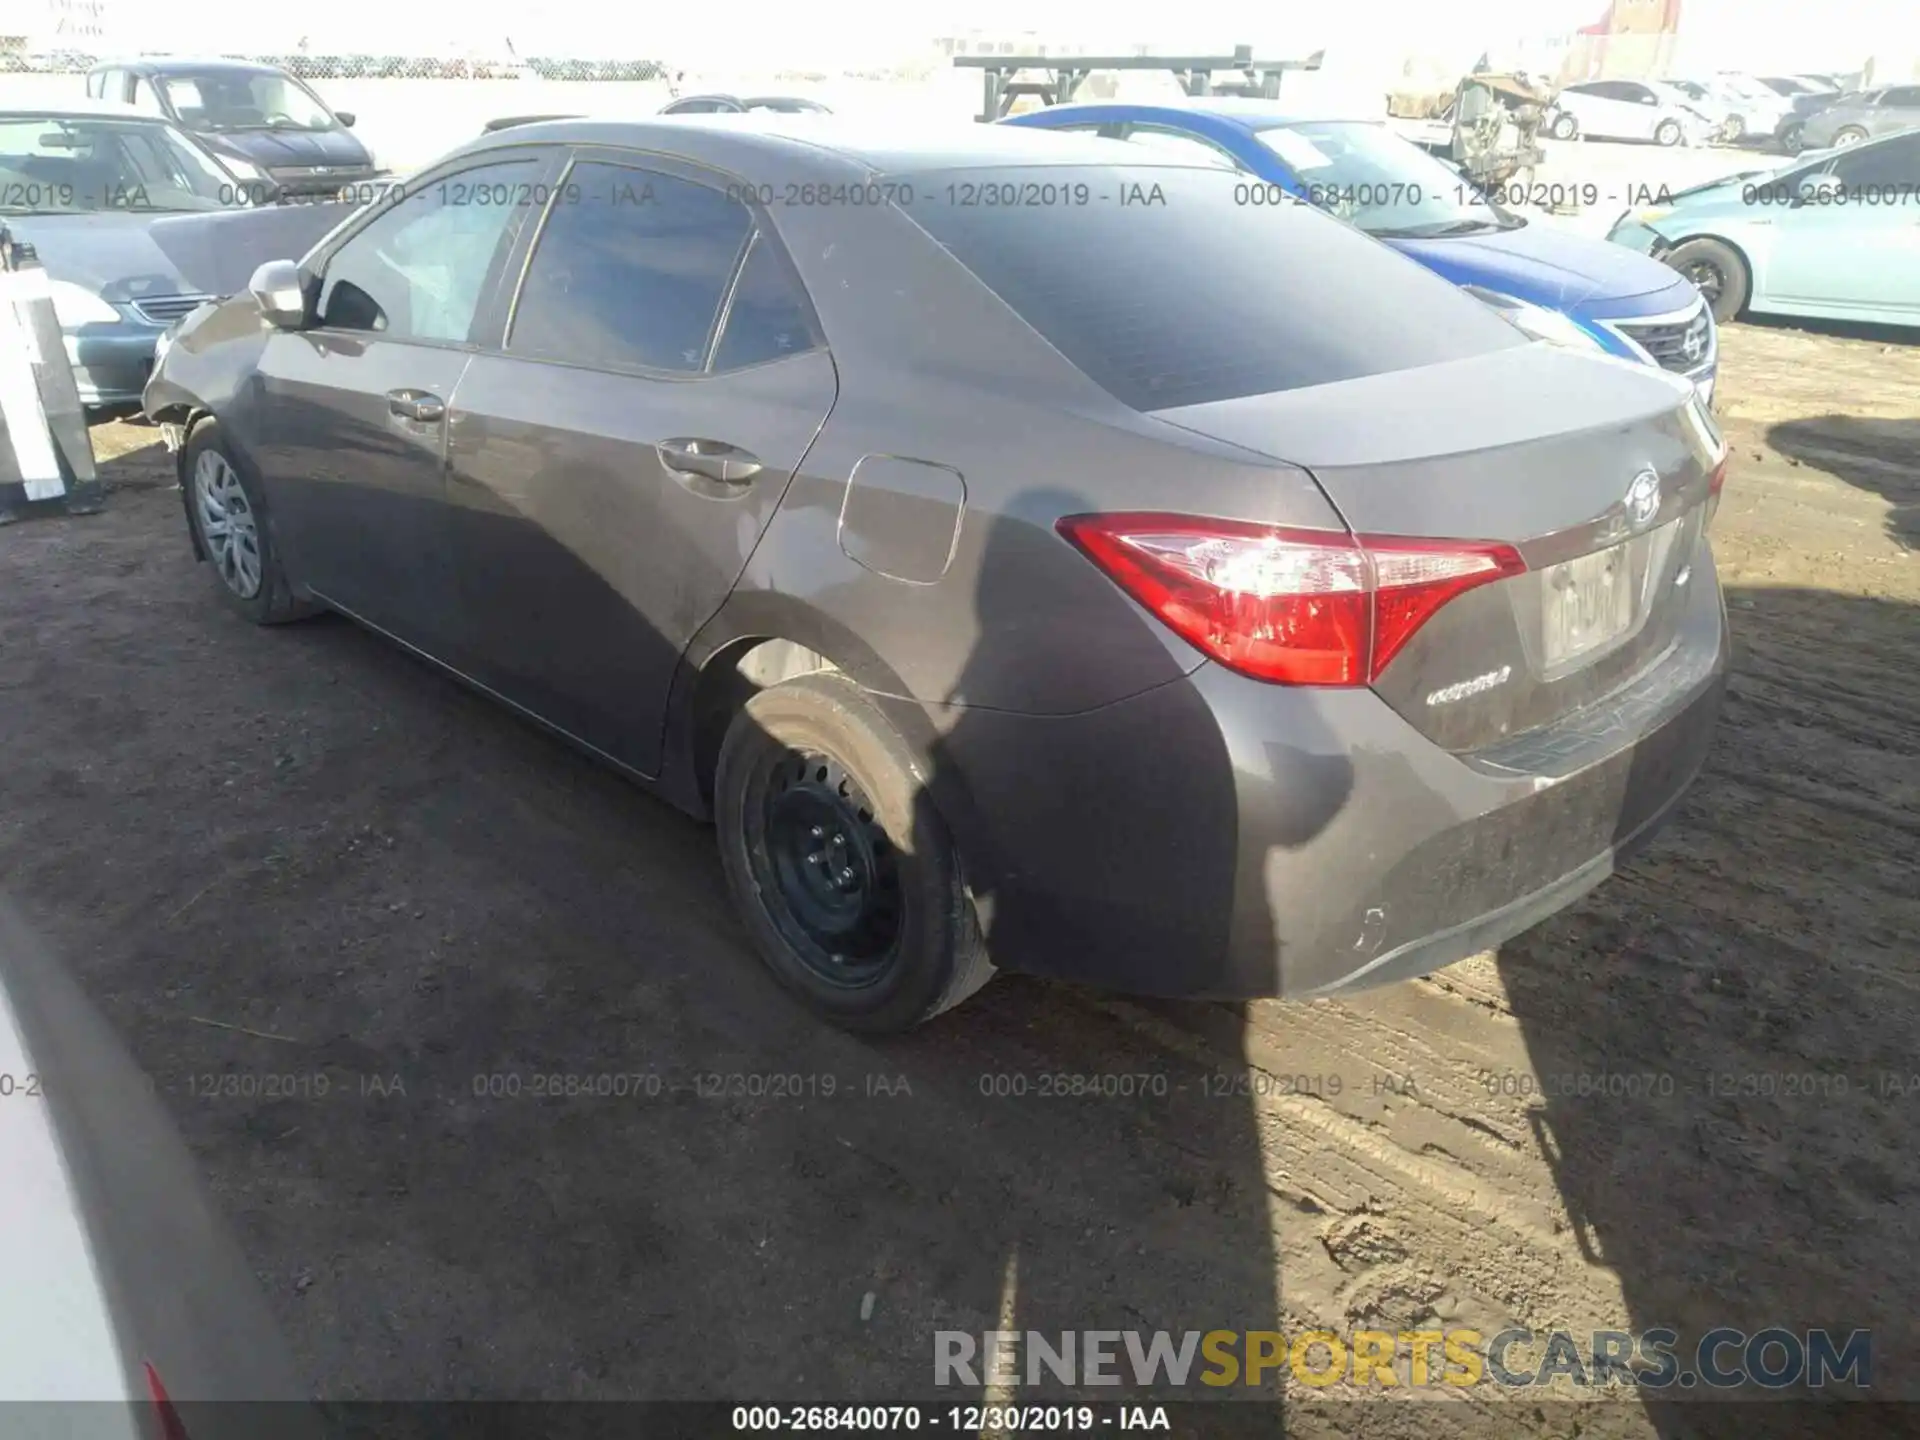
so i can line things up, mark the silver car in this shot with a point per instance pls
(123, 1289)
(1853, 118)
(84, 183)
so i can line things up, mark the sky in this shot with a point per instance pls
(1762, 34)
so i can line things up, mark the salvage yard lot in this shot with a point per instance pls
(278, 856)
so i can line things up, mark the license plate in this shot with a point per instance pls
(1588, 603)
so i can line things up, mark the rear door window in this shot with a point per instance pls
(768, 317)
(1165, 291)
(630, 270)
(1886, 173)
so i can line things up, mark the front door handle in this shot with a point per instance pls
(415, 405)
(713, 459)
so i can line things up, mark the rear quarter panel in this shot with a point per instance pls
(935, 368)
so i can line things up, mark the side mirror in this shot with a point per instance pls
(277, 290)
(345, 117)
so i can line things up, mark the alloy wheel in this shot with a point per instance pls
(227, 523)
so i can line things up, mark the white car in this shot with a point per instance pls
(1761, 108)
(1626, 110)
(1735, 118)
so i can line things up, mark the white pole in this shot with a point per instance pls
(20, 406)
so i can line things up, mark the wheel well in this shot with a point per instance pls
(733, 675)
(1746, 261)
(187, 417)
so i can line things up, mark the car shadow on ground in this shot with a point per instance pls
(1880, 456)
(1725, 1045)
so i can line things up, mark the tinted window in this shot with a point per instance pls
(1905, 96)
(418, 271)
(768, 317)
(144, 97)
(1191, 296)
(60, 164)
(1189, 149)
(1892, 163)
(629, 271)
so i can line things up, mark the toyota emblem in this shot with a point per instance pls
(1643, 499)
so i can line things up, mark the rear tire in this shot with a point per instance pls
(843, 872)
(1668, 133)
(1792, 140)
(1564, 127)
(1718, 272)
(1851, 135)
(1736, 129)
(230, 523)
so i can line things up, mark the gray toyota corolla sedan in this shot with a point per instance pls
(1029, 557)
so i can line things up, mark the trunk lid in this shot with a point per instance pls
(1597, 471)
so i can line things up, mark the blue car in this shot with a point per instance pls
(1558, 287)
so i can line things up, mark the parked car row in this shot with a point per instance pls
(1030, 554)
(1631, 110)
(1793, 111)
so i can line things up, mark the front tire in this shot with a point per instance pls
(1718, 272)
(1564, 127)
(1736, 129)
(1851, 135)
(845, 875)
(1669, 134)
(1792, 138)
(230, 523)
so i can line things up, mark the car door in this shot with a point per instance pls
(348, 414)
(1640, 109)
(1595, 107)
(615, 460)
(1899, 109)
(1855, 253)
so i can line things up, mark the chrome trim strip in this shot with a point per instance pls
(190, 303)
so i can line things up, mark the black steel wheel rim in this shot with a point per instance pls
(1707, 279)
(831, 877)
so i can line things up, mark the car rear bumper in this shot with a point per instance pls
(1218, 837)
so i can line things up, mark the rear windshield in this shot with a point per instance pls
(1170, 286)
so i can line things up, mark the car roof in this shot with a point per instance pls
(769, 145)
(1242, 110)
(81, 110)
(160, 64)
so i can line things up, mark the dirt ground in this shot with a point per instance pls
(391, 884)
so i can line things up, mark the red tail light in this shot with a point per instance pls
(1294, 607)
(170, 1426)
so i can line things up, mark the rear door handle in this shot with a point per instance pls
(713, 459)
(415, 405)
